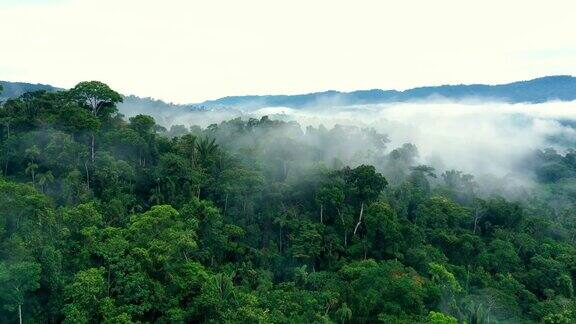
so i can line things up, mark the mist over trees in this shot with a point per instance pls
(119, 220)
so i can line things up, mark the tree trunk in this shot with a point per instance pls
(359, 218)
(6, 165)
(87, 174)
(476, 218)
(468, 278)
(327, 308)
(20, 313)
(109, 279)
(92, 147)
(344, 226)
(280, 240)
(321, 213)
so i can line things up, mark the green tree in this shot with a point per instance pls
(17, 280)
(363, 184)
(44, 179)
(344, 313)
(99, 99)
(86, 297)
(439, 318)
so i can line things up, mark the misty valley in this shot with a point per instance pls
(322, 208)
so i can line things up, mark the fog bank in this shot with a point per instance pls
(486, 139)
(473, 137)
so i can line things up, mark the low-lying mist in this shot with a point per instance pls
(487, 139)
(473, 137)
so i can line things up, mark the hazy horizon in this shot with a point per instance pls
(225, 48)
(299, 93)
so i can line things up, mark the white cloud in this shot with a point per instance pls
(188, 51)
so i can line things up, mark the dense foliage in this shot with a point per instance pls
(104, 219)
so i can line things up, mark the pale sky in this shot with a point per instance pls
(189, 51)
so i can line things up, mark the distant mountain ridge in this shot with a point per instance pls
(16, 89)
(559, 87)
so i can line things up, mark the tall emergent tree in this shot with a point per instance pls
(99, 98)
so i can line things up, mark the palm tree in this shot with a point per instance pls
(31, 170)
(206, 148)
(44, 179)
(223, 287)
(32, 154)
(187, 145)
(156, 197)
(344, 313)
(281, 221)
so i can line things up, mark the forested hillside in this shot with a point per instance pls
(539, 90)
(107, 219)
(557, 87)
(16, 89)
